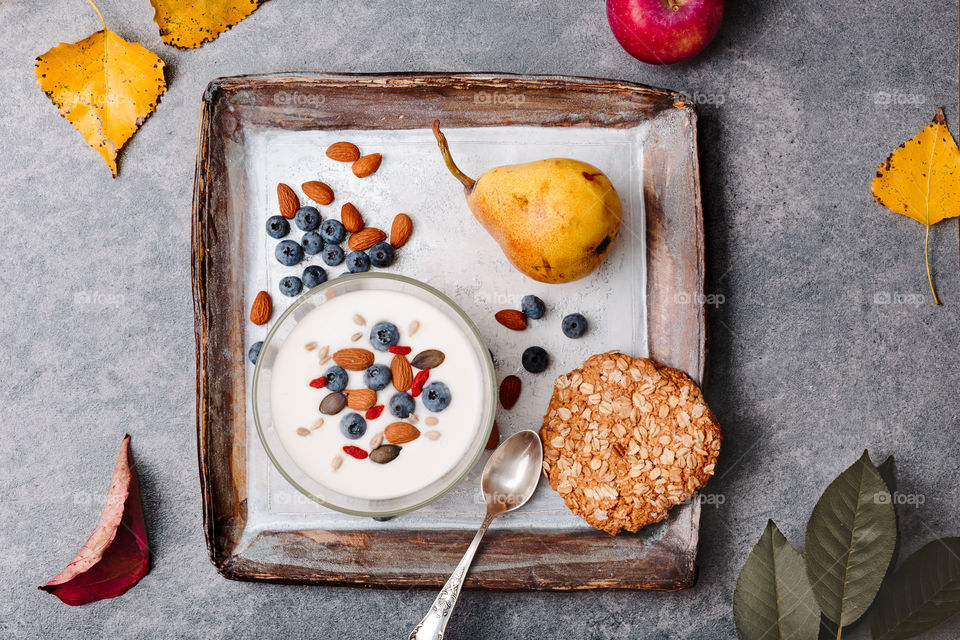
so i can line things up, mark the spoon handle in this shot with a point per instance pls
(434, 623)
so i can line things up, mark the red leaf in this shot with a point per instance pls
(115, 556)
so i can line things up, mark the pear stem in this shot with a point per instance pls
(467, 181)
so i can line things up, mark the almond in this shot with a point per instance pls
(366, 165)
(366, 238)
(401, 432)
(402, 373)
(343, 152)
(511, 319)
(494, 438)
(351, 218)
(361, 399)
(353, 359)
(318, 191)
(289, 202)
(509, 391)
(400, 230)
(261, 309)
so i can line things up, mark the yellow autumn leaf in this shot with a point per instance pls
(104, 86)
(190, 23)
(921, 179)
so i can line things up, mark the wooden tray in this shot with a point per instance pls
(533, 556)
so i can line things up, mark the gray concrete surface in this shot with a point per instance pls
(800, 102)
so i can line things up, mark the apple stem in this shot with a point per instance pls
(467, 181)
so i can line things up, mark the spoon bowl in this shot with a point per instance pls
(512, 472)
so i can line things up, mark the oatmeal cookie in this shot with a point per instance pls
(625, 439)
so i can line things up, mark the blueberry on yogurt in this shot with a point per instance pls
(384, 335)
(336, 378)
(436, 396)
(377, 377)
(401, 404)
(353, 426)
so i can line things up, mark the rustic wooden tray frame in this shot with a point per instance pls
(520, 560)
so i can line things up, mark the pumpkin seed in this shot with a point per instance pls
(429, 359)
(385, 453)
(333, 403)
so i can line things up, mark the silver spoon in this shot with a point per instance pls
(509, 479)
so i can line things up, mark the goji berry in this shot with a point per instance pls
(319, 383)
(373, 412)
(356, 452)
(400, 351)
(418, 381)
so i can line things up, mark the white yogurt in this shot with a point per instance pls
(295, 404)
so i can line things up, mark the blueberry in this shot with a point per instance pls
(384, 335)
(254, 352)
(312, 243)
(533, 307)
(535, 359)
(332, 231)
(332, 255)
(336, 378)
(574, 325)
(358, 261)
(277, 227)
(401, 404)
(436, 396)
(382, 518)
(381, 254)
(307, 218)
(353, 426)
(291, 286)
(289, 253)
(313, 275)
(377, 376)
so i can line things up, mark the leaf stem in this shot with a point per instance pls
(102, 21)
(926, 254)
(839, 631)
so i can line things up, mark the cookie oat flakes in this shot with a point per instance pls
(626, 439)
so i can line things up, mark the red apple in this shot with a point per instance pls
(664, 31)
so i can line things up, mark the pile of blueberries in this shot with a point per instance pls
(574, 325)
(322, 238)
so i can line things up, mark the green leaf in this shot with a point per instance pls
(773, 600)
(923, 593)
(850, 539)
(888, 472)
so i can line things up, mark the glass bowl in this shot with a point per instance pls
(278, 454)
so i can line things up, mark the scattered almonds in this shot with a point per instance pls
(365, 238)
(509, 392)
(400, 230)
(343, 152)
(318, 191)
(401, 373)
(511, 319)
(289, 202)
(261, 309)
(367, 165)
(353, 359)
(361, 399)
(351, 218)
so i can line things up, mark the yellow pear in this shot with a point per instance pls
(555, 219)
